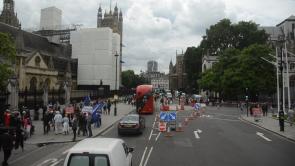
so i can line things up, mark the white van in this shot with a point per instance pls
(99, 152)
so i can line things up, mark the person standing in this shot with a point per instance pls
(89, 130)
(66, 124)
(57, 122)
(19, 136)
(109, 106)
(46, 124)
(74, 126)
(6, 143)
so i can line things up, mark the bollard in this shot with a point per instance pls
(168, 132)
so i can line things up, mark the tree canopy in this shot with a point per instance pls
(131, 80)
(239, 48)
(7, 58)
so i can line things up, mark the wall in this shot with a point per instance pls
(51, 19)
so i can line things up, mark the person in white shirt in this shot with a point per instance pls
(57, 122)
(66, 126)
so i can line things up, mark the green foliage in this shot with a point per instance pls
(7, 58)
(238, 70)
(225, 35)
(193, 65)
(131, 80)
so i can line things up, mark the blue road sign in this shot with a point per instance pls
(168, 116)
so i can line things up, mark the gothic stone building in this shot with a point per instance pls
(177, 75)
(8, 16)
(113, 20)
(39, 62)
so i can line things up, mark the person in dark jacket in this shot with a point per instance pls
(46, 123)
(19, 132)
(6, 143)
(74, 126)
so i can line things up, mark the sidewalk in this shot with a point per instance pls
(271, 124)
(107, 122)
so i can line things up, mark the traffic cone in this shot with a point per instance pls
(179, 127)
(168, 133)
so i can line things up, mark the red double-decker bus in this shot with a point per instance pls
(145, 99)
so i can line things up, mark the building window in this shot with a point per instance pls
(33, 84)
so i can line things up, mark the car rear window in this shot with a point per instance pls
(131, 118)
(77, 160)
(88, 160)
(100, 161)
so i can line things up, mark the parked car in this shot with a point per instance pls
(100, 151)
(131, 123)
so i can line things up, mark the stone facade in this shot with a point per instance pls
(8, 16)
(41, 63)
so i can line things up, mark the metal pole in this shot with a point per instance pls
(281, 113)
(278, 81)
(288, 76)
(283, 80)
(115, 109)
(247, 99)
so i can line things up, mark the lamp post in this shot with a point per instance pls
(116, 79)
(281, 112)
(247, 99)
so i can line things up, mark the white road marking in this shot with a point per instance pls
(54, 164)
(147, 159)
(151, 134)
(158, 136)
(47, 161)
(262, 136)
(142, 158)
(197, 132)
(26, 155)
(66, 151)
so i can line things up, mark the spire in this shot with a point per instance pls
(110, 7)
(99, 9)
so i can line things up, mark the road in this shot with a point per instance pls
(218, 137)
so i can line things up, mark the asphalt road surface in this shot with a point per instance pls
(217, 138)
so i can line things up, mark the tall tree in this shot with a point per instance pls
(193, 65)
(131, 80)
(7, 58)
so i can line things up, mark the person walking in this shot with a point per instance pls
(74, 127)
(109, 104)
(66, 124)
(46, 123)
(57, 122)
(89, 130)
(19, 132)
(6, 143)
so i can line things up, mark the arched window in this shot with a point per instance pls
(47, 83)
(33, 83)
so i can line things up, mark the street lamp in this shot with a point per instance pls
(116, 79)
(281, 112)
(247, 98)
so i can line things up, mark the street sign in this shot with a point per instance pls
(162, 126)
(168, 116)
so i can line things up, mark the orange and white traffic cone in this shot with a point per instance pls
(168, 133)
(179, 127)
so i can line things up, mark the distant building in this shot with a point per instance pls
(208, 62)
(51, 18)
(160, 82)
(8, 16)
(177, 74)
(95, 49)
(152, 66)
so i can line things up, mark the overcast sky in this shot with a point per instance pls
(155, 29)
